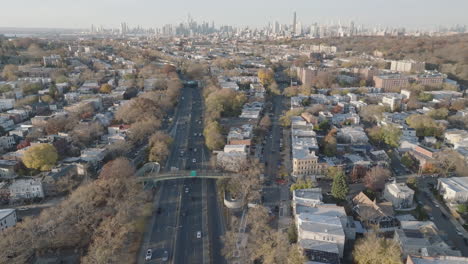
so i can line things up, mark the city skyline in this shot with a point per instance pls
(417, 14)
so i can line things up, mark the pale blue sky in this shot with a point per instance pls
(151, 13)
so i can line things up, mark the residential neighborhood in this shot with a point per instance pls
(196, 142)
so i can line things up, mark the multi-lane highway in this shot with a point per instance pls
(187, 221)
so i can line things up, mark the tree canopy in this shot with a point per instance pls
(376, 250)
(339, 186)
(40, 157)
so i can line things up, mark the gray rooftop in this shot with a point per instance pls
(6, 212)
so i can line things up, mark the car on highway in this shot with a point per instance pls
(199, 134)
(186, 190)
(165, 256)
(459, 232)
(194, 160)
(149, 254)
(199, 234)
(195, 150)
(194, 134)
(437, 205)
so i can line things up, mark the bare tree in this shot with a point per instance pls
(451, 161)
(143, 128)
(247, 183)
(85, 133)
(265, 122)
(315, 109)
(375, 178)
(138, 109)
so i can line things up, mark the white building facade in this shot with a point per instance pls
(399, 194)
(7, 218)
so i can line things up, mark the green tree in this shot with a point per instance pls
(324, 125)
(333, 171)
(388, 135)
(41, 157)
(285, 120)
(301, 184)
(424, 125)
(391, 135)
(462, 208)
(376, 250)
(438, 114)
(53, 91)
(4, 88)
(340, 186)
(425, 97)
(407, 160)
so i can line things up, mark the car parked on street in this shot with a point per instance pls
(165, 256)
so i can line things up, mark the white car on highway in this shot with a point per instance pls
(149, 254)
(199, 234)
(194, 160)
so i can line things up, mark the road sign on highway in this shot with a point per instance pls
(193, 173)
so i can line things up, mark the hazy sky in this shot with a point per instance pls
(152, 13)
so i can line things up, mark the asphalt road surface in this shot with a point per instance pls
(441, 219)
(185, 207)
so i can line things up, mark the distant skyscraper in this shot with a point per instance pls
(352, 30)
(276, 27)
(294, 22)
(123, 28)
(298, 29)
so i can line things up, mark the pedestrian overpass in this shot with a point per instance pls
(156, 177)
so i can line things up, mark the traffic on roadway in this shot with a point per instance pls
(185, 208)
